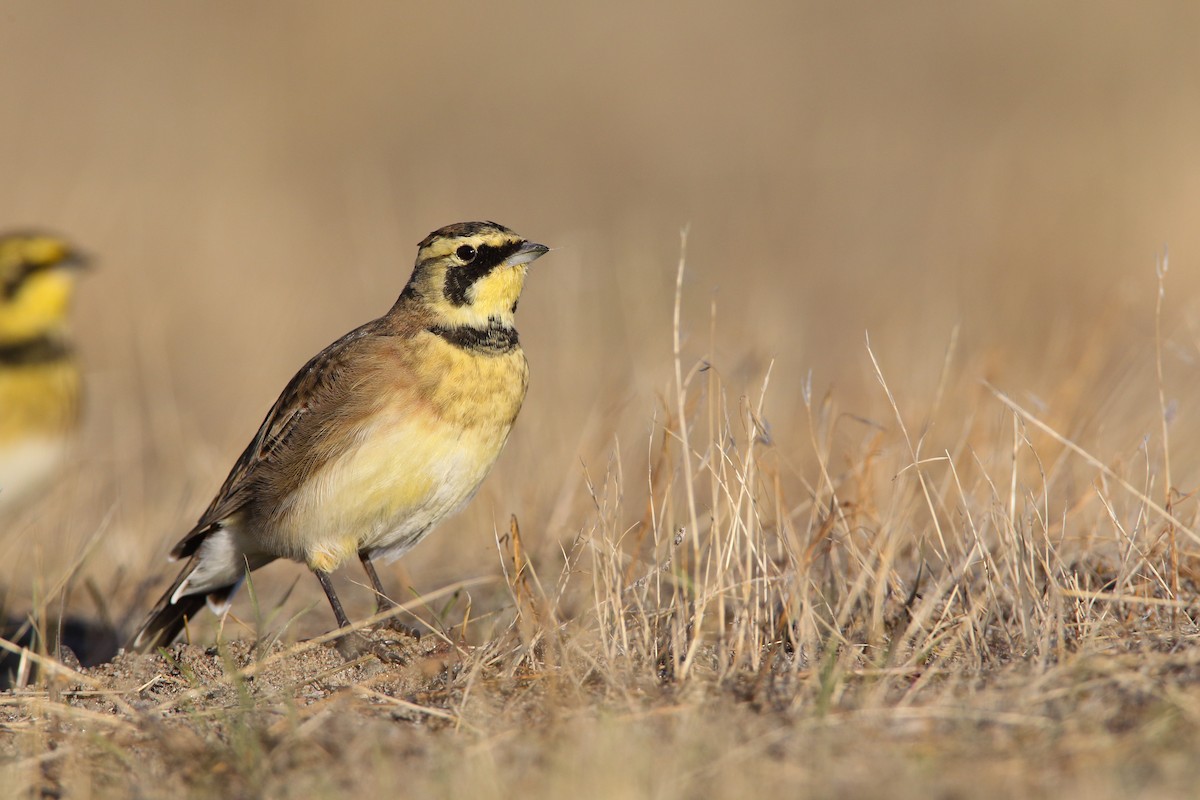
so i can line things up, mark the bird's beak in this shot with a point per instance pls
(75, 260)
(527, 252)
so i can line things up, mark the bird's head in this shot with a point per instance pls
(37, 279)
(470, 274)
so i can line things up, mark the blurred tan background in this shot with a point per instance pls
(253, 179)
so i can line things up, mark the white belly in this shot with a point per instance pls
(385, 495)
(28, 464)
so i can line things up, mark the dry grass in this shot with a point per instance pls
(733, 546)
(1006, 614)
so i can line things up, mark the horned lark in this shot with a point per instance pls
(377, 438)
(39, 379)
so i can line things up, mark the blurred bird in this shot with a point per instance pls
(39, 377)
(376, 439)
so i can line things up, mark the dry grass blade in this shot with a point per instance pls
(1097, 463)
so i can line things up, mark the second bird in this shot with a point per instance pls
(377, 438)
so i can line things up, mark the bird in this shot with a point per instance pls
(39, 375)
(375, 440)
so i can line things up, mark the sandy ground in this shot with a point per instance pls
(960, 563)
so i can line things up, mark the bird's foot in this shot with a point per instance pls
(394, 623)
(356, 644)
(399, 627)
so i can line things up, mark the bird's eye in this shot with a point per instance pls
(466, 253)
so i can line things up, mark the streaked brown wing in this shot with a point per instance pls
(315, 387)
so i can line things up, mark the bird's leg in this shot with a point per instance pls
(355, 644)
(342, 620)
(382, 601)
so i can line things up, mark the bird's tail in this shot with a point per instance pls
(172, 613)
